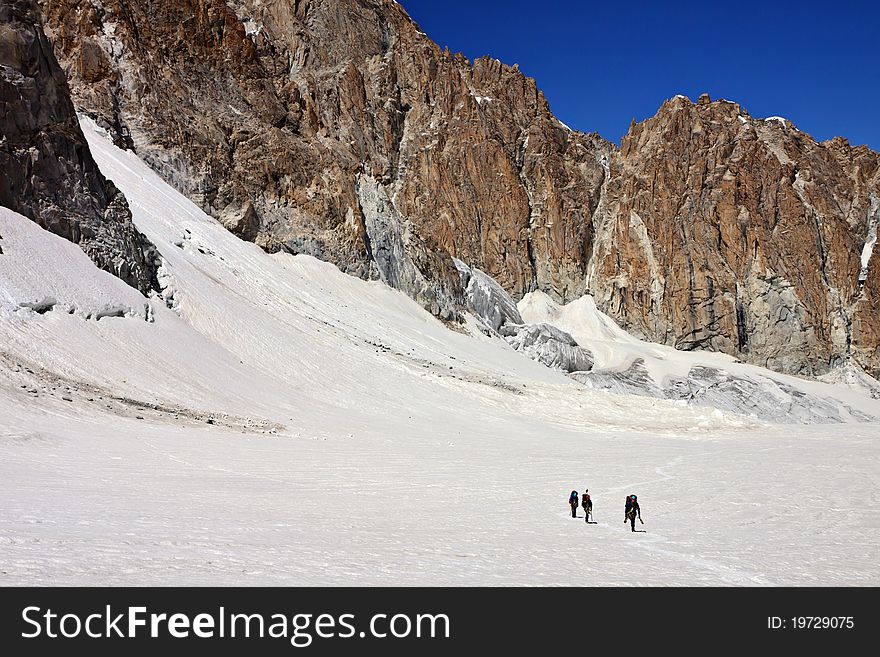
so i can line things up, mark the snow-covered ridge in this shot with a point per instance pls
(625, 364)
(564, 126)
(288, 416)
(263, 336)
(581, 341)
(228, 296)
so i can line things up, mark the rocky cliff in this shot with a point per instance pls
(337, 128)
(48, 173)
(724, 232)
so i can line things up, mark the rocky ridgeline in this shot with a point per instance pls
(340, 130)
(724, 232)
(48, 173)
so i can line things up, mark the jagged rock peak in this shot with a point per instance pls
(48, 172)
(717, 230)
(340, 130)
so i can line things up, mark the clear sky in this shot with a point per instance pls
(602, 63)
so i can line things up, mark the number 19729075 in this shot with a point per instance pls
(811, 623)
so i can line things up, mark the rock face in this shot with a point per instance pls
(741, 235)
(48, 173)
(338, 129)
(289, 120)
(399, 257)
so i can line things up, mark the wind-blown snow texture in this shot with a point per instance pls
(625, 364)
(274, 421)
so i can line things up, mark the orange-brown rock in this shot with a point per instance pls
(269, 113)
(717, 230)
(337, 128)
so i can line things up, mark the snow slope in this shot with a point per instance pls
(273, 421)
(625, 363)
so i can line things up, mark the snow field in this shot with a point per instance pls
(354, 439)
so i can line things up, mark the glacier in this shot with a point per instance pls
(267, 419)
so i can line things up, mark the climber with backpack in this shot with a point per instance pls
(573, 503)
(632, 510)
(587, 503)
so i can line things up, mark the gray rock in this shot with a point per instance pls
(707, 229)
(767, 399)
(49, 174)
(634, 380)
(401, 259)
(486, 298)
(548, 345)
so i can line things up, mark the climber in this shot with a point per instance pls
(587, 503)
(632, 510)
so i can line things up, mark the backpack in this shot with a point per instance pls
(585, 500)
(573, 498)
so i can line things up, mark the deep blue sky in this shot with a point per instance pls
(601, 63)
